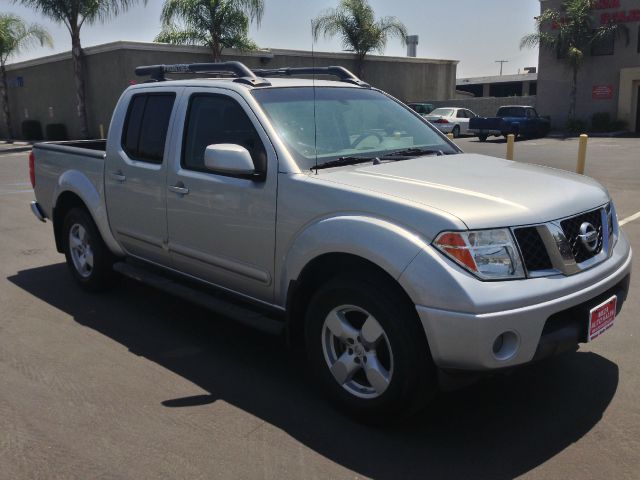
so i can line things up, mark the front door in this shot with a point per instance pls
(135, 175)
(222, 228)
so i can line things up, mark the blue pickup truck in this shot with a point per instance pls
(519, 120)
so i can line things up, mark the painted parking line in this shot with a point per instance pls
(633, 217)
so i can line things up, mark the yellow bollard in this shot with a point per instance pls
(582, 153)
(511, 139)
(450, 136)
(101, 131)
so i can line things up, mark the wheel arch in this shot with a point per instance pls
(74, 189)
(321, 270)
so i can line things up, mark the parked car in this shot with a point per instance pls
(451, 120)
(332, 213)
(518, 120)
(422, 108)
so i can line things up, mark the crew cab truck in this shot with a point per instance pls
(328, 210)
(516, 120)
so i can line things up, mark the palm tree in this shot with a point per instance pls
(570, 33)
(73, 14)
(15, 36)
(214, 23)
(354, 21)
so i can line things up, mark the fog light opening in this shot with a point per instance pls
(505, 345)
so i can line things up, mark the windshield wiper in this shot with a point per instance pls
(341, 161)
(412, 152)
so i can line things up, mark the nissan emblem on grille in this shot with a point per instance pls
(588, 236)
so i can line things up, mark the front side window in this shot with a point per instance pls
(146, 126)
(214, 119)
(328, 123)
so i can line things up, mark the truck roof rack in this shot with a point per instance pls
(240, 70)
(342, 73)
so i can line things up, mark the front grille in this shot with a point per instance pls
(571, 229)
(534, 253)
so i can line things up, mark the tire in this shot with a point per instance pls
(456, 131)
(88, 258)
(483, 137)
(382, 345)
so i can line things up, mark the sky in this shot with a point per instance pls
(475, 32)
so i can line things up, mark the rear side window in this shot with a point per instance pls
(145, 130)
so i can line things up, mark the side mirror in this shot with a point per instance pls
(229, 159)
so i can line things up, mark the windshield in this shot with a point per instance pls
(350, 122)
(444, 112)
(511, 112)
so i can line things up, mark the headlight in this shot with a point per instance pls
(488, 254)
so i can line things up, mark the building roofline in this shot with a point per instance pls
(519, 77)
(265, 53)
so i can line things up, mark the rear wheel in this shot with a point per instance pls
(367, 350)
(456, 131)
(88, 258)
(483, 137)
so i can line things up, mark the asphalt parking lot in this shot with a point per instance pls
(136, 384)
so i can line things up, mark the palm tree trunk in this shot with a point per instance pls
(216, 48)
(79, 81)
(360, 64)
(574, 93)
(5, 102)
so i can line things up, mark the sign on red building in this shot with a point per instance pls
(602, 92)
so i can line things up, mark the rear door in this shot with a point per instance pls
(221, 227)
(135, 173)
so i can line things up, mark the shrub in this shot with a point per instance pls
(601, 122)
(575, 125)
(31, 130)
(56, 131)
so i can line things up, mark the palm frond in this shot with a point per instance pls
(16, 36)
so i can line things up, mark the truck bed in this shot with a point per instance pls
(56, 162)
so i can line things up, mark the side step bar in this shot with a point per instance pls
(240, 313)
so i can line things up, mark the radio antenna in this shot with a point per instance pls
(313, 83)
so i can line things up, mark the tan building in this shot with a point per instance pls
(42, 89)
(609, 80)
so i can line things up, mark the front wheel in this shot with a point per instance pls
(367, 350)
(483, 137)
(88, 258)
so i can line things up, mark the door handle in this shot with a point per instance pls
(118, 176)
(179, 189)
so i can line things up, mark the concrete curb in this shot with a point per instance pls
(14, 147)
(6, 151)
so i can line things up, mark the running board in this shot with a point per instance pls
(239, 313)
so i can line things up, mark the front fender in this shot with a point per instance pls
(381, 242)
(78, 183)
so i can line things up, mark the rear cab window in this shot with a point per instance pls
(145, 130)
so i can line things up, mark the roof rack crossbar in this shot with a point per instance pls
(240, 70)
(342, 73)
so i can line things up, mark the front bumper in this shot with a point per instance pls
(545, 323)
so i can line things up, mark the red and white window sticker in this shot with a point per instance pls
(601, 317)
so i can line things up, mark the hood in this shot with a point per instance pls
(482, 191)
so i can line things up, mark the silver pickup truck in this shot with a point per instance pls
(331, 212)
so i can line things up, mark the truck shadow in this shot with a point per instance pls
(499, 428)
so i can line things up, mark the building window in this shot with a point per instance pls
(638, 39)
(604, 46)
(533, 88)
(510, 89)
